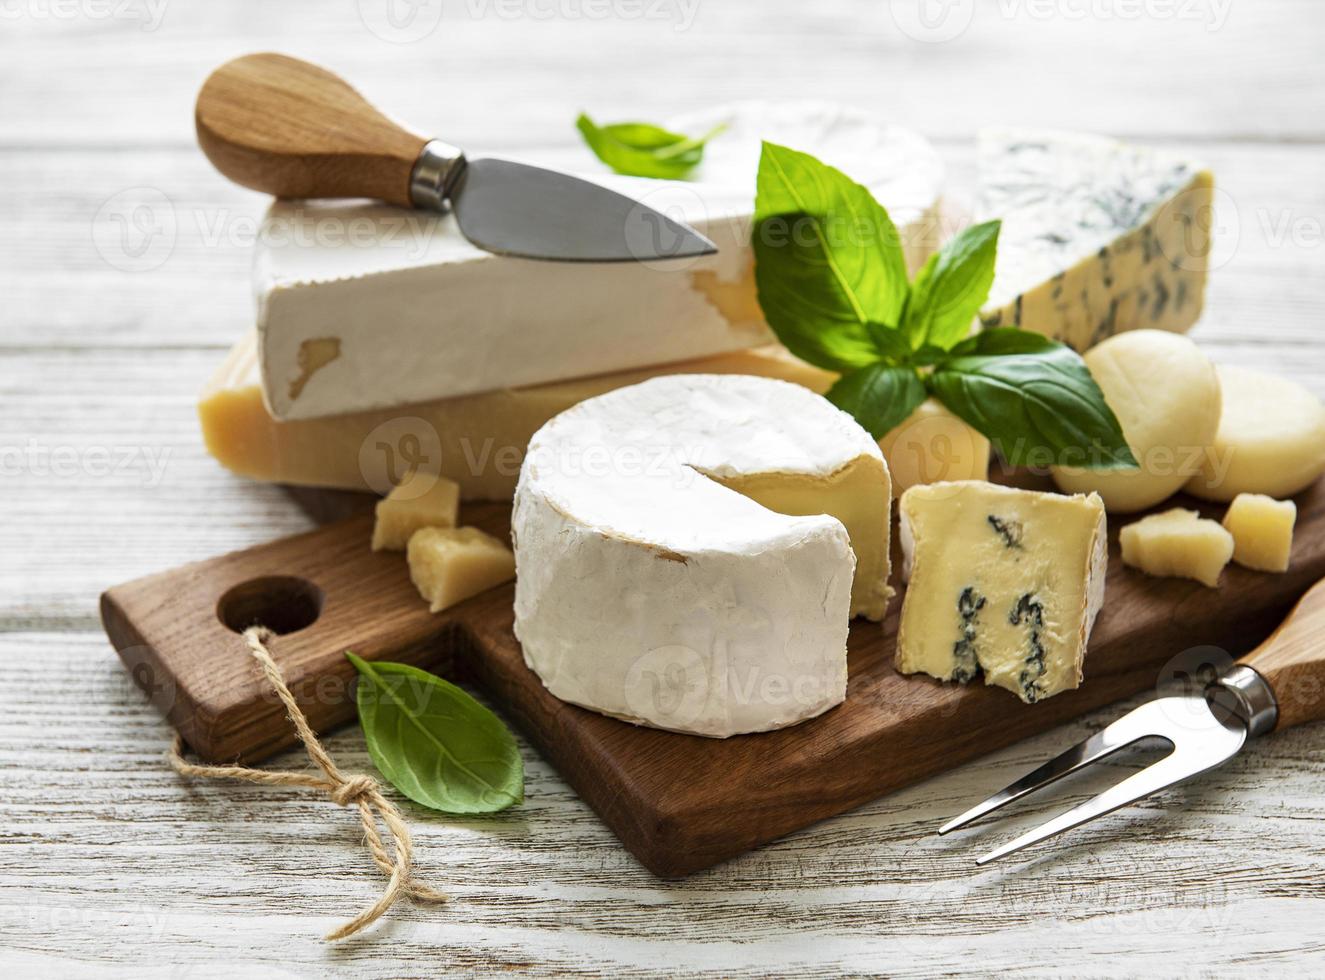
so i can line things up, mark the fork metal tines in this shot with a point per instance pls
(1199, 741)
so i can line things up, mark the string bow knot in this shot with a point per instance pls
(358, 788)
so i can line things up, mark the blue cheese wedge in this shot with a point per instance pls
(1004, 584)
(1098, 236)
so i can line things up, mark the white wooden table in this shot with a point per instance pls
(109, 863)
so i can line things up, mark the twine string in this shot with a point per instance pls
(362, 790)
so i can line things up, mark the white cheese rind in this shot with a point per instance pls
(1004, 583)
(412, 312)
(1098, 236)
(648, 590)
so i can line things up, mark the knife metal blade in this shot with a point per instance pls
(528, 212)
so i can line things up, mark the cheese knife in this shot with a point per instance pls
(1279, 684)
(292, 129)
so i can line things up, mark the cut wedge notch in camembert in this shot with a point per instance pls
(689, 552)
(1098, 236)
(1002, 582)
(369, 306)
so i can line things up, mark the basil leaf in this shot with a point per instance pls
(951, 287)
(639, 149)
(828, 261)
(879, 397)
(434, 742)
(1033, 398)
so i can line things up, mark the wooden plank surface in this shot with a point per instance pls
(679, 803)
(109, 864)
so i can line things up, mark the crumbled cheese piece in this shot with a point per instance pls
(1178, 543)
(451, 564)
(1262, 530)
(420, 500)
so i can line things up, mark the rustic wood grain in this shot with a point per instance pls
(293, 129)
(680, 803)
(1292, 661)
(111, 865)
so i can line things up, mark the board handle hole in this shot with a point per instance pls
(282, 603)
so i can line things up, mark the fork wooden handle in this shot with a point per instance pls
(1292, 661)
(281, 125)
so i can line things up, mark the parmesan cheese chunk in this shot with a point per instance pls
(451, 564)
(1004, 583)
(420, 500)
(1178, 543)
(1262, 530)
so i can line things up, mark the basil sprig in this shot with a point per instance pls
(832, 282)
(434, 742)
(639, 149)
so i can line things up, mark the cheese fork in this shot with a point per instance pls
(1279, 684)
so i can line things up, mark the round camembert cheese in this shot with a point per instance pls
(689, 551)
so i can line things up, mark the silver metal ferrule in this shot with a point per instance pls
(1255, 702)
(434, 175)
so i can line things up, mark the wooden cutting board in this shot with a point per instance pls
(680, 803)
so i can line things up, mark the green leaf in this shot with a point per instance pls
(951, 287)
(639, 149)
(828, 261)
(1033, 398)
(434, 742)
(879, 397)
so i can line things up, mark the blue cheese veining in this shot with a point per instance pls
(1004, 584)
(1098, 236)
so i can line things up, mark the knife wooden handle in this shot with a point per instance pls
(281, 125)
(1292, 661)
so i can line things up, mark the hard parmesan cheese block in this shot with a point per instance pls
(931, 446)
(479, 440)
(451, 564)
(1178, 543)
(1098, 236)
(1003, 583)
(368, 306)
(1166, 396)
(689, 551)
(476, 440)
(1271, 438)
(1262, 530)
(421, 500)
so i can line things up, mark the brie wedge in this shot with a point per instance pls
(368, 306)
(689, 551)
(1003, 583)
